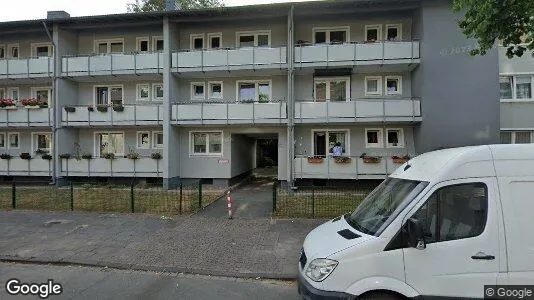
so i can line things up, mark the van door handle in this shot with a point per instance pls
(483, 256)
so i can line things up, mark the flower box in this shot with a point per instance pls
(371, 159)
(69, 109)
(32, 106)
(315, 160)
(156, 155)
(342, 160)
(25, 155)
(400, 159)
(90, 108)
(102, 108)
(13, 107)
(118, 108)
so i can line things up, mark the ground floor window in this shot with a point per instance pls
(42, 142)
(324, 142)
(516, 137)
(206, 143)
(110, 142)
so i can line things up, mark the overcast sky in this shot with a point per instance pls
(13, 10)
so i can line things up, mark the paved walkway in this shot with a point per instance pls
(252, 200)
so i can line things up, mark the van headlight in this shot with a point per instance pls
(320, 268)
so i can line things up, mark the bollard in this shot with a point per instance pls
(229, 203)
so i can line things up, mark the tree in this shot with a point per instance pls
(161, 5)
(509, 21)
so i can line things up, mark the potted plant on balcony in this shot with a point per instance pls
(263, 98)
(25, 155)
(41, 152)
(118, 107)
(109, 156)
(87, 156)
(32, 103)
(316, 159)
(102, 108)
(400, 159)
(132, 155)
(7, 104)
(6, 156)
(65, 156)
(70, 109)
(342, 159)
(46, 157)
(369, 159)
(90, 108)
(156, 155)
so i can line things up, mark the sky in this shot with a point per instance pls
(14, 10)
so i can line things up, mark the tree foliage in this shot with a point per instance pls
(509, 21)
(161, 5)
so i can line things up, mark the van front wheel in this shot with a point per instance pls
(381, 296)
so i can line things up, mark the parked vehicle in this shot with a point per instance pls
(444, 224)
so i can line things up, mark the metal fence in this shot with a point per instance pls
(188, 198)
(316, 201)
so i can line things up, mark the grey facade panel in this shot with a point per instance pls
(516, 65)
(517, 115)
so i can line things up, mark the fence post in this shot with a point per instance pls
(71, 197)
(181, 193)
(199, 195)
(132, 196)
(313, 201)
(14, 195)
(274, 197)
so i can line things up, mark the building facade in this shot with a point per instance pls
(195, 94)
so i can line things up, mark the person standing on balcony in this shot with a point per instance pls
(337, 150)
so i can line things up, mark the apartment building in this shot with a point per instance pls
(191, 94)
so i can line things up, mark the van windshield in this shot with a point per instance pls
(383, 205)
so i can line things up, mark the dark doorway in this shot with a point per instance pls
(267, 153)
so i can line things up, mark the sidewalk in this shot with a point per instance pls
(211, 246)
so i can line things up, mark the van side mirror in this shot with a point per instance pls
(415, 233)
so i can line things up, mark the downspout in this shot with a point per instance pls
(54, 104)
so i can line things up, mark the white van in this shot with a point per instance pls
(444, 224)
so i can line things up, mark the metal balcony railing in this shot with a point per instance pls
(113, 63)
(17, 166)
(31, 67)
(131, 114)
(119, 167)
(26, 117)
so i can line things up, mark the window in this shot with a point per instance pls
(2, 51)
(335, 35)
(325, 140)
(214, 40)
(42, 142)
(373, 33)
(157, 89)
(254, 91)
(13, 93)
(197, 41)
(108, 95)
(41, 50)
(13, 51)
(197, 91)
(506, 137)
(42, 93)
(394, 138)
(157, 137)
(206, 143)
(13, 140)
(2, 140)
(454, 212)
(143, 92)
(143, 139)
(109, 46)
(142, 44)
(373, 138)
(505, 83)
(215, 89)
(373, 85)
(393, 32)
(253, 39)
(157, 43)
(523, 87)
(110, 142)
(332, 89)
(393, 85)
(2, 94)
(516, 137)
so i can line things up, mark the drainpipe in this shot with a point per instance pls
(54, 104)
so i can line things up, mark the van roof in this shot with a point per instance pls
(463, 162)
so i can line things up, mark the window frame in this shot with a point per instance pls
(155, 40)
(97, 152)
(34, 91)
(192, 38)
(34, 47)
(328, 131)
(210, 83)
(35, 142)
(255, 34)
(138, 92)
(108, 42)
(9, 91)
(109, 93)
(138, 41)
(347, 80)
(212, 35)
(193, 92)
(380, 138)
(154, 140)
(379, 86)
(8, 145)
(138, 139)
(4, 53)
(513, 134)
(207, 153)
(154, 94)
(3, 93)
(328, 31)
(9, 53)
(378, 33)
(256, 89)
(512, 87)
(399, 32)
(400, 138)
(3, 134)
(399, 85)
(513, 77)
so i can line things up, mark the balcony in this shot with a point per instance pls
(229, 113)
(26, 117)
(83, 115)
(229, 59)
(118, 167)
(359, 110)
(17, 166)
(354, 168)
(113, 64)
(326, 55)
(37, 67)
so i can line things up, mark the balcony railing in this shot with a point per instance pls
(112, 64)
(16, 166)
(26, 67)
(230, 113)
(134, 114)
(26, 117)
(359, 110)
(353, 168)
(229, 59)
(118, 167)
(356, 53)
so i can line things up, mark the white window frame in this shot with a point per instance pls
(192, 145)
(198, 83)
(8, 145)
(155, 40)
(212, 35)
(138, 139)
(399, 85)
(379, 32)
(192, 38)
(257, 88)
(328, 30)
(5, 51)
(210, 83)
(97, 142)
(108, 42)
(380, 143)
(3, 134)
(512, 87)
(138, 92)
(513, 134)
(399, 31)
(154, 88)
(255, 34)
(138, 41)
(33, 142)
(9, 47)
(3, 93)
(328, 80)
(154, 140)
(9, 93)
(400, 137)
(328, 130)
(378, 86)
(35, 45)
(39, 88)
(109, 92)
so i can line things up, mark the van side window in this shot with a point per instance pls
(455, 212)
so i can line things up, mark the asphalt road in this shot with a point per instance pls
(101, 283)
